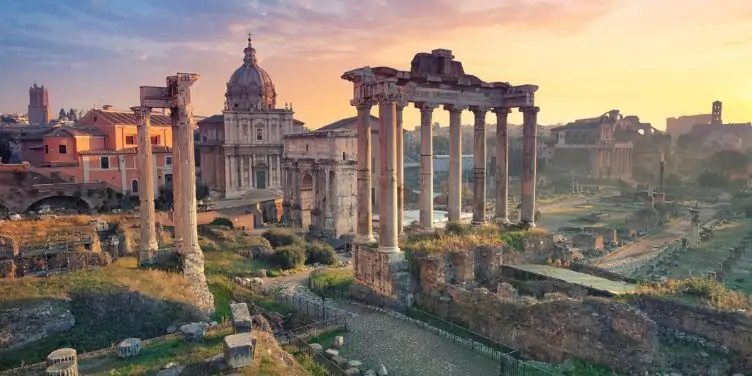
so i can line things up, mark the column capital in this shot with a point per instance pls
(142, 114)
(362, 103)
(455, 108)
(501, 110)
(426, 106)
(530, 110)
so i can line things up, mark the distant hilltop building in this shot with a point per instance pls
(39, 105)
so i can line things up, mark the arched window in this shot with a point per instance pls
(307, 183)
(134, 186)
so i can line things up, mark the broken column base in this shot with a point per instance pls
(239, 350)
(382, 278)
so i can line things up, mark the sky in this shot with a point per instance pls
(650, 58)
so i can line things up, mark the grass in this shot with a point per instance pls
(712, 251)
(704, 292)
(154, 357)
(340, 279)
(461, 237)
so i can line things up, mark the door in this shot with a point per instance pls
(261, 179)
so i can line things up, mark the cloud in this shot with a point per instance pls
(100, 29)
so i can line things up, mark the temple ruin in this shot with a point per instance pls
(176, 96)
(434, 80)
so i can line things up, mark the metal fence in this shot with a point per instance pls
(298, 338)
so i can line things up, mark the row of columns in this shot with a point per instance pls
(391, 175)
(612, 163)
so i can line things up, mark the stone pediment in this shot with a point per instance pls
(260, 163)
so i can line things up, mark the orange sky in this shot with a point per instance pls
(650, 58)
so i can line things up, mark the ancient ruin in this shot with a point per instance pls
(175, 96)
(434, 80)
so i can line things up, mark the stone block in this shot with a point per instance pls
(381, 370)
(193, 331)
(331, 353)
(241, 318)
(352, 372)
(62, 355)
(315, 348)
(339, 341)
(339, 360)
(238, 350)
(62, 369)
(128, 348)
(354, 363)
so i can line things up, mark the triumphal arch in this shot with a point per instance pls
(434, 80)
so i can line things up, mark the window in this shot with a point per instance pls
(344, 156)
(104, 163)
(62, 149)
(155, 140)
(134, 186)
(130, 140)
(259, 134)
(168, 160)
(46, 149)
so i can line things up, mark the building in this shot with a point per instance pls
(587, 147)
(100, 147)
(241, 149)
(39, 105)
(319, 181)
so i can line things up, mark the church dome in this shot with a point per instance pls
(250, 87)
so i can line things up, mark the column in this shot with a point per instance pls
(454, 184)
(400, 171)
(242, 171)
(529, 163)
(502, 165)
(479, 165)
(148, 242)
(228, 176)
(426, 165)
(365, 209)
(177, 194)
(388, 229)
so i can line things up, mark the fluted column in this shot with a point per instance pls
(400, 171)
(388, 229)
(148, 241)
(426, 165)
(479, 165)
(177, 182)
(454, 184)
(365, 209)
(502, 165)
(529, 163)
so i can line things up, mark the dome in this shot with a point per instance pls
(250, 87)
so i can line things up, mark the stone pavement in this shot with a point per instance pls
(407, 349)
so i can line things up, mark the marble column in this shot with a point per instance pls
(502, 165)
(388, 228)
(148, 242)
(400, 171)
(529, 163)
(426, 165)
(454, 184)
(365, 209)
(479, 165)
(177, 194)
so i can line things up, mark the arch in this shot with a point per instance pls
(307, 183)
(134, 185)
(60, 202)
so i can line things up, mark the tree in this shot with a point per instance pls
(164, 200)
(440, 145)
(6, 150)
(62, 115)
(729, 162)
(684, 141)
(72, 115)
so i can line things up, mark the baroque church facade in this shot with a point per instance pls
(242, 148)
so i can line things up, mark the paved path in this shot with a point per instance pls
(408, 350)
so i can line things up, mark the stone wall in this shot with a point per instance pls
(382, 274)
(536, 248)
(730, 329)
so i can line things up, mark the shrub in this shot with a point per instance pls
(321, 253)
(456, 228)
(289, 256)
(279, 237)
(221, 221)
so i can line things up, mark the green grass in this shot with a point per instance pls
(712, 251)
(339, 279)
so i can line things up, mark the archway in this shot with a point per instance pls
(60, 203)
(306, 200)
(134, 186)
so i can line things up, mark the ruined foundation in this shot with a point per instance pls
(382, 278)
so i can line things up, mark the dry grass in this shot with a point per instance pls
(122, 273)
(463, 238)
(706, 292)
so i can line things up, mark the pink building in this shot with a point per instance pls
(100, 147)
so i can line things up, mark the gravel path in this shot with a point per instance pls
(408, 350)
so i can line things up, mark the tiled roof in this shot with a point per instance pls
(155, 149)
(576, 126)
(213, 119)
(64, 132)
(347, 121)
(128, 117)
